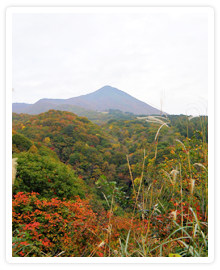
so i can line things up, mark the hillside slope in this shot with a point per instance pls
(101, 100)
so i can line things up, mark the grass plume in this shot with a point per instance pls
(14, 169)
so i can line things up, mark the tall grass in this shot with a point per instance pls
(169, 217)
(189, 237)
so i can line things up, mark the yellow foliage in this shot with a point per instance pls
(47, 140)
(115, 208)
(137, 181)
(116, 145)
(33, 149)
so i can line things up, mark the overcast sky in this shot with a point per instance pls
(152, 57)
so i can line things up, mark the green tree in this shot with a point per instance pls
(21, 142)
(46, 176)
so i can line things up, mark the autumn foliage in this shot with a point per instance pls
(52, 226)
(116, 190)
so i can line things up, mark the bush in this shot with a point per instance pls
(46, 176)
(21, 142)
(52, 226)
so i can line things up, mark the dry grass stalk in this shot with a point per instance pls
(200, 165)
(132, 180)
(191, 186)
(164, 124)
(156, 119)
(174, 174)
(163, 121)
(173, 214)
(191, 117)
(14, 169)
(181, 144)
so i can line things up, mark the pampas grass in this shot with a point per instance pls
(164, 124)
(161, 120)
(191, 117)
(200, 165)
(173, 214)
(174, 174)
(191, 185)
(14, 169)
(156, 119)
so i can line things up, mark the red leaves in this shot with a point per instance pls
(46, 242)
(25, 243)
(74, 228)
(32, 226)
(21, 253)
(51, 223)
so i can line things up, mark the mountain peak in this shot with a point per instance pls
(109, 91)
(103, 99)
(108, 88)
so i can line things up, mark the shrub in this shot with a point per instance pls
(21, 142)
(48, 177)
(52, 226)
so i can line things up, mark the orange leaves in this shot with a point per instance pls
(100, 254)
(46, 242)
(73, 228)
(32, 226)
(54, 224)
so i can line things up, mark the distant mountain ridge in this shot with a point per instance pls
(101, 100)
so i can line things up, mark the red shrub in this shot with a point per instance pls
(53, 225)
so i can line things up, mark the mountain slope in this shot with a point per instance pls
(19, 107)
(103, 99)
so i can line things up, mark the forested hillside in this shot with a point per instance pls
(132, 186)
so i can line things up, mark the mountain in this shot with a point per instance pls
(19, 107)
(101, 100)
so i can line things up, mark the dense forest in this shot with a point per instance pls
(119, 185)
